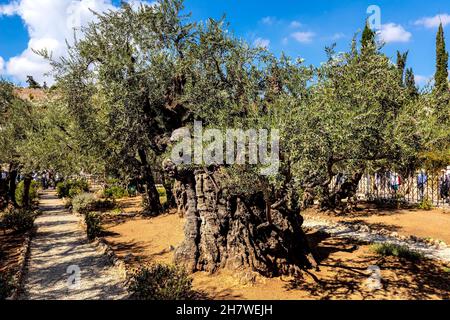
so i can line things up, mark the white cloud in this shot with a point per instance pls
(423, 80)
(260, 42)
(285, 41)
(268, 20)
(2, 65)
(338, 36)
(49, 24)
(295, 24)
(9, 9)
(433, 22)
(392, 32)
(303, 37)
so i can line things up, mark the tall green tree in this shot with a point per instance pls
(123, 84)
(17, 124)
(368, 39)
(401, 65)
(410, 83)
(441, 76)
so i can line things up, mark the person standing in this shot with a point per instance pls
(422, 180)
(444, 186)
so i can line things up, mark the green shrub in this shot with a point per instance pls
(19, 220)
(62, 189)
(86, 202)
(6, 285)
(93, 225)
(393, 250)
(115, 192)
(102, 205)
(83, 203)
(162, 195)
(71, 188)
(161, 282)
(132, 191)
(20, 191)
(112, 182)
(425, 204)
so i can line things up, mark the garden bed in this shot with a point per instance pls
(14, 248)
(343, 272)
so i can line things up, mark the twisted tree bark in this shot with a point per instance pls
(224, 231)
(152, 204)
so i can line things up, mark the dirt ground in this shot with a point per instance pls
(425, 224)
(10, 245)
(343, 266)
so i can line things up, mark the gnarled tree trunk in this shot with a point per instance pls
(348, 190)
(227, 231)
(152, 205)
(12, 185)
(26, 201)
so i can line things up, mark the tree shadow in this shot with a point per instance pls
(346, 278)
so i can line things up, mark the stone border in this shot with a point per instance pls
(102, 247)
(106, 250)
(431, 248)
(23, 260)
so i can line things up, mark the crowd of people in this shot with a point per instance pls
(48, 179)
(417, 188)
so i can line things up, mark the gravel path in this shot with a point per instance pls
(360, 231)
(58, 251)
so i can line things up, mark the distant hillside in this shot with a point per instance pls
(31, 94)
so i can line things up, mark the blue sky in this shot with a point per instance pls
(299, 28)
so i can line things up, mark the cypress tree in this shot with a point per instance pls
(441, 76)
(401, 65)
(368, 43)
(410, 83)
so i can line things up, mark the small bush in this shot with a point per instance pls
(19, 220)
(393, 250)
(103, 205)
(71, 188)
(6, 285)
(425, 204)
(132, 191)
(161, 282)
(20, 192)
(112, 181)
(93, 225)
(115, 192)
(83, 203)
(162, 195)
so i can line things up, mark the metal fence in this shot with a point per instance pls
(413, 189)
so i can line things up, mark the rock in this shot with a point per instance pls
(128, 258)
(394, 234)
(248, 278)
(364, 228)
(171, 248)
